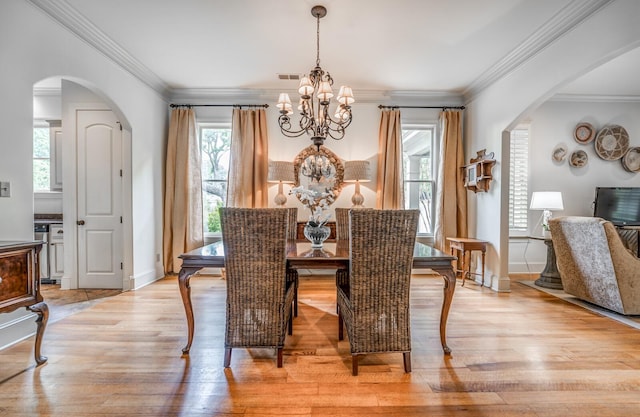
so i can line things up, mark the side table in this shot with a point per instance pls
(549, 277)
(464, 246)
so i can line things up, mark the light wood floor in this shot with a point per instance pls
(522, 354)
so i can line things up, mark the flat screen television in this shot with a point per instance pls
(619, 205)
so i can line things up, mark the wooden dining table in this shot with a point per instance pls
(300, 255)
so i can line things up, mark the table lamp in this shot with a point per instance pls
(357, 171)
(546, 201)
(281, 172)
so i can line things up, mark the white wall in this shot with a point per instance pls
(34, 47)
(502, 105)
(551, 124)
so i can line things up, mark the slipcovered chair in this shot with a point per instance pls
(594, 265)
(373, 303)
(259, 297)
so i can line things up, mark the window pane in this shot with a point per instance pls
(41, 142)
(41, 179)
(419, 195)
(215, 144)
(419, 174)
(518, 181)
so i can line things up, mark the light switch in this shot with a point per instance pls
(5, 189)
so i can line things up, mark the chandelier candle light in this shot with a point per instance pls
(357, 171)
(315, 95)
(546, 201)
(281, 172)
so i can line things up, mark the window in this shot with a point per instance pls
(518, 180)
(215, 143)
(41, 158)
(418, 163)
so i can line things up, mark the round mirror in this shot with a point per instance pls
(319, 170)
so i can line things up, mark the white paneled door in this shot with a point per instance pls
(99, 223)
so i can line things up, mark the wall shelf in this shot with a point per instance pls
(477, 174)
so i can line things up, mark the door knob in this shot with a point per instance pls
(80, 222)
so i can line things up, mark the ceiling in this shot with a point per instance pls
(431, 46)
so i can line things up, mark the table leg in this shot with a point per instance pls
(466, 265)
(42, 310)
(449, 276)
(483, 255)
(185, 292)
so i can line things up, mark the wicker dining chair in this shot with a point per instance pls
(374, 302)
(342, 233)
(292, 234)
(259, 297)
(342, 223)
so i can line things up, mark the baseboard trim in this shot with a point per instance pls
(17, 330)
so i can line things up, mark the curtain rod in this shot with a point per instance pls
(422, 107)
(218, 105)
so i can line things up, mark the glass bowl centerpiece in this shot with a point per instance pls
(318, 202)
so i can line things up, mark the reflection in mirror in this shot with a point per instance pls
(319, 170)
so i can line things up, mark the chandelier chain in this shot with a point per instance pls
(317, 40)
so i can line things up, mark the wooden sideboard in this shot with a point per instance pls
(20, 284)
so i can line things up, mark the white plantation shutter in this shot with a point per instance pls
(518, 182)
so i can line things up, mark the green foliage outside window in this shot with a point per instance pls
(213, 219)
(41, 161)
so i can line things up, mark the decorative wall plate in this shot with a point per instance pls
(631, 160)
(560, 152)
(578, 159)
(612, 142)
(584, 133)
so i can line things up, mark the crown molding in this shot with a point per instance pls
(594, 98)
(564, 21)
(253, 96)
(47, 91)
(70, 18)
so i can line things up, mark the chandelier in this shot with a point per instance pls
(315, 95)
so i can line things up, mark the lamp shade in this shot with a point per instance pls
(356, 171)
(281, 171)
(546, 200)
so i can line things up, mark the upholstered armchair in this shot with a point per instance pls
(594, 265)
(259, 297)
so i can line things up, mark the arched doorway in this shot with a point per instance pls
(100, 183)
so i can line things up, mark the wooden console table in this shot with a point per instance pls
(20, 284)
(464, 246)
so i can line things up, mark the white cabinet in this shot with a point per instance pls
(56, 251)
(55, 153)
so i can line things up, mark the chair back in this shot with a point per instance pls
(292, 223)
(584, 260)
(342, 223)
(381, 250)
(254, 242)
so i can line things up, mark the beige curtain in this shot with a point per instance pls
(249, 164)
(451, 203)
(389, 180)
(182, 229)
